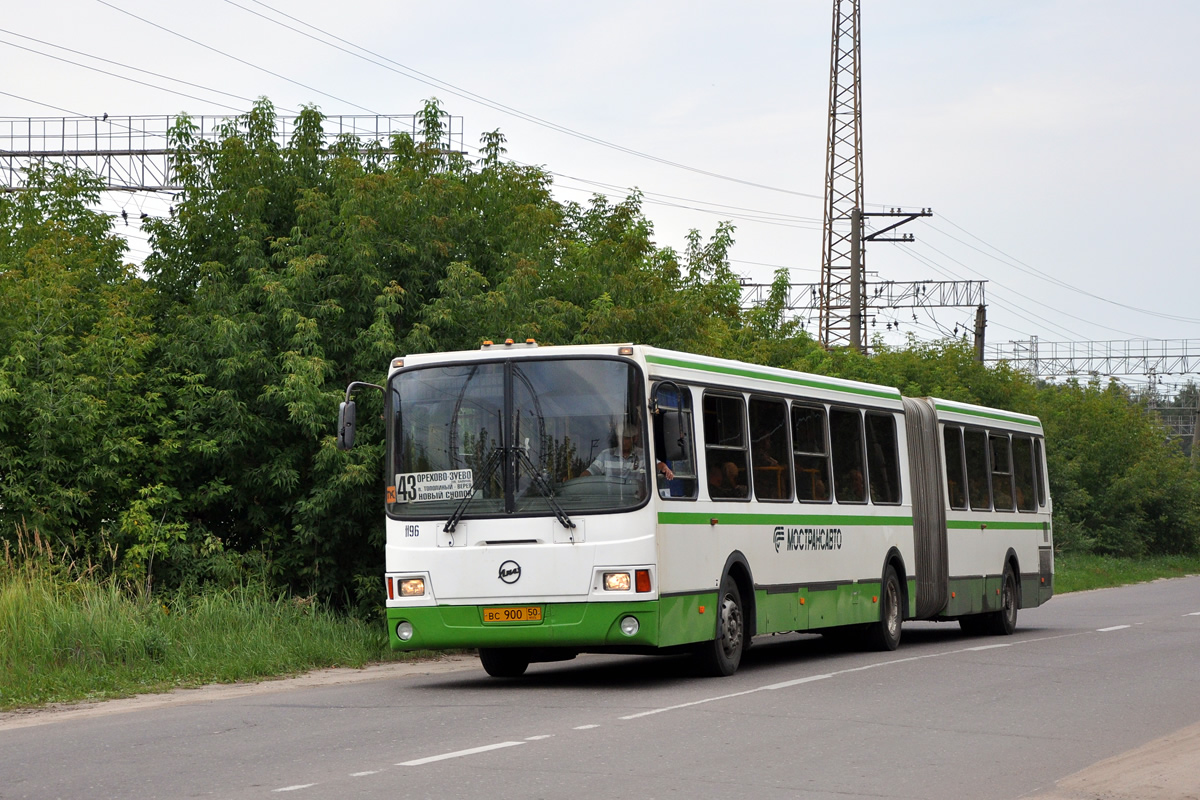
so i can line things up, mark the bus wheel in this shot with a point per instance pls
(721, 656)
(1004, 621)
(504, 662)
(885, 634)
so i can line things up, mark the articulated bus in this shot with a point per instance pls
(547, 501)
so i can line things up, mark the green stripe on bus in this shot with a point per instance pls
(697, 518)
(990, 415)
(994, 523)
(889, 394)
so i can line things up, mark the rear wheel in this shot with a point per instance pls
(885, 634)
(721, 656)
(1004, 621)
(504, 662)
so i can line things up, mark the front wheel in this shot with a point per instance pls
(504, 662)
(721, 656)
(885, 634)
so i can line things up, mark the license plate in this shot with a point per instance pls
(513, 614)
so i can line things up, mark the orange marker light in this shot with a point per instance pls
(701, 609)
(391, 590)
(642, 580)
(954, 594)
(874, 598)
(801, 601)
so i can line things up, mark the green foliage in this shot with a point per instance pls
(174, 427)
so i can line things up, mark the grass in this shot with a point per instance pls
(1076, 572)
(87, 639)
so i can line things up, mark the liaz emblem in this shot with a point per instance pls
(510, 572)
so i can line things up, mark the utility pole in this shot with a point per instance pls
(843, 269)
(980, 325)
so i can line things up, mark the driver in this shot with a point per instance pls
(624, 461)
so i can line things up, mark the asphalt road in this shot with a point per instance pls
(1086, 677)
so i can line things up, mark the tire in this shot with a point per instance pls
(502, 662)
(721, 656)
(885, 634)
(1004, 621)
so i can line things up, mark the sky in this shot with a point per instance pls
(1054, 141)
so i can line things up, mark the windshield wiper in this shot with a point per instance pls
(488, 468)
(544, 488)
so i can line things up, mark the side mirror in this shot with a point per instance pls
(673, 445)
(346, 417)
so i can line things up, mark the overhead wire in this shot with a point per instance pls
(395, 66)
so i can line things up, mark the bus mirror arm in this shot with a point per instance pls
(347, 416)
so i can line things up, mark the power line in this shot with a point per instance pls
(429, 80)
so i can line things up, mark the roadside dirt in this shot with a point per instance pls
(225, 691)
(1164, 769)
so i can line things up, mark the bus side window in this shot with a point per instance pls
(956, 481)
(1040, 471)
(1023, 472)
(725, 447)
(769, 449)
(1002, 483)
(883, 462)
(684, 485)
(846, 439)
(810, 454)
(975, 442)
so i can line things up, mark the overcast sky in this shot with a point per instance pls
(1055, 141)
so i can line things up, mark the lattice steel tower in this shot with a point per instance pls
(841, 312)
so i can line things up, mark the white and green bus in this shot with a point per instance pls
(547, 501)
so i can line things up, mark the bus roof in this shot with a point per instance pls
(966, 412)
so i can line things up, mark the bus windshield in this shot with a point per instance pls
(520, 436)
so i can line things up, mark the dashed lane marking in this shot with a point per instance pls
(416, 762)
(1113, 628)
(294, 788)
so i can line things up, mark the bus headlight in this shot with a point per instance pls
(629, 626)
(412, 587)
(616, 581)
(404, 631)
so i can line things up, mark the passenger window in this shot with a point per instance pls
(1040, 471)
(725, 447)
(769, 449)
(683, 486)
(1002, 482)
(883, 462)
(810, 454)
(956, 481)
(846, 439)
(1023, 472)
(975, 443)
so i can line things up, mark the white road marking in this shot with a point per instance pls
(368, 772)
(457, 753)
(821, 677)
(586, 727)
(294, 788)
(1193, 614)
(693, 703)
(798, 681)
(1113, 628)
(537, 738)
(987, 647)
